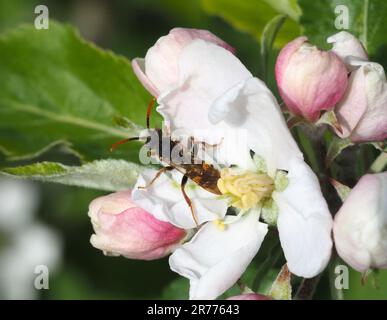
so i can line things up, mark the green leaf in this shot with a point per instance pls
(330, 119)
(371, 289)
(55, 86)
(252, 16)
(366, 20)
(267, 265)
(336, 146)
(109, 175)
(268, 37)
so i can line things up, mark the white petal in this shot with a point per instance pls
(304, 222)
(138, 66)
(214, 259)
(250, 106)
(206, 72)
(353, 105)
(373, 124)
(216, 86)
(345, 45)
(161, 60)
(362, 112)
(361, 223)
(164, 200)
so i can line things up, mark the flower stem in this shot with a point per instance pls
(336, 294)
(307, 288)
(308, 149)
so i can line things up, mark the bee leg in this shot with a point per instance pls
(118, 143)
(187, 199)
(157, 175)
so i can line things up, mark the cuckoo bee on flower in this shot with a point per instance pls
(174, 155)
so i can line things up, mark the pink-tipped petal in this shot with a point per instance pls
(138, 66)
(285, 56)
(159, 71)
(362, 113)
(122, 228)
(188, 35)
(309, 80)
(345, 45)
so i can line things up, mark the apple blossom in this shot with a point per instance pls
(165, 201)
(122, 228)
(159, 69)
(215, 91)
(309, 80)
(362, 113)
(360, 225)
(345, 45)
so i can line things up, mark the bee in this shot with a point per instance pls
(162, 146)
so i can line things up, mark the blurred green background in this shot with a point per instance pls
(128, 28)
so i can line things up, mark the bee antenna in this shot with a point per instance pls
(148, 111)
(118, 143)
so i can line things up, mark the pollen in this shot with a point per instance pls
(245, 190)
(220, 224)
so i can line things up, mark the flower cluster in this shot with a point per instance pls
(200, 84)
(342, 79)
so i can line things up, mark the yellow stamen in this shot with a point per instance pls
(245, 190)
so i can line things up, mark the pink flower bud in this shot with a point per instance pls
(122, 228)
(159, 70)
(362, 113)
(309, 80)
(361, 223)
(250, 296)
